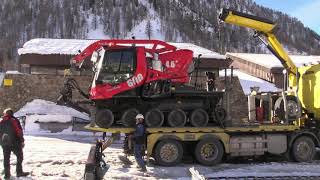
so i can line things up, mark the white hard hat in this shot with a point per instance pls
(139, 116)
(7, 110)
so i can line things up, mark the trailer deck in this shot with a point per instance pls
(253, 128)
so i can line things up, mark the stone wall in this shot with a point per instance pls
(237, 99)
(27, 87)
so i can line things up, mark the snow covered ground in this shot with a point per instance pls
(63, 157)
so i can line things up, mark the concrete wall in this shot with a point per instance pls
(27, 87)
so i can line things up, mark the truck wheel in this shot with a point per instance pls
(128, 118)
(199, 118)
(209, 151)
(293, 110)
(177, 118)
(168, 152)
(303, 149)
(104, 118)
(154, 118)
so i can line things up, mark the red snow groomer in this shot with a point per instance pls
(143, 76)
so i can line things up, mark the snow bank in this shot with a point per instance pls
(248, 81)
(41, 111)
(43, 107)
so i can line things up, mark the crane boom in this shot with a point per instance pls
(266, 28)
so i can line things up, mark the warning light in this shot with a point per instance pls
(111, 44)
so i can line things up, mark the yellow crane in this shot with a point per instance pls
(304, 82)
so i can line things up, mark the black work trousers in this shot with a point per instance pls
(6, 158)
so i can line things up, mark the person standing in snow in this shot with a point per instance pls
(11, 140)
(139, 141)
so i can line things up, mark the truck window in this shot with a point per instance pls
(118, 66)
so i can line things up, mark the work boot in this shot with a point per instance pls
(22, 174)
(7, 174)
(144, 169)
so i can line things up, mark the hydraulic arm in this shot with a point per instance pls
(266, 28)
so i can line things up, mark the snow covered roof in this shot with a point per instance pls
(270, 61)
(54, 46)
(247, 81)
(72, 46)
(205, 53)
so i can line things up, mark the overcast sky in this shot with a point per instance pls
(307, 11)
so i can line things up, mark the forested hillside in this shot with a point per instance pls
(170, 20)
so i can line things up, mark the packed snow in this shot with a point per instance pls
(247, 81)
(269, 60)
(72, 46)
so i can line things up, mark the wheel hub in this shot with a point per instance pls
(169, 153)
(303, 149)
(208, 151)
(293, 108)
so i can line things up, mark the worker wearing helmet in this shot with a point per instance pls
(11, 140)
(139, 140)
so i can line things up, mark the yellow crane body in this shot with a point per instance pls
(303, 81)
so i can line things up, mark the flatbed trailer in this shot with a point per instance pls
(210, 144)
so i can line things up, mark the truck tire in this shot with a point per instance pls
(303, 149)
(104, 118)
(168, 152)
(199, 118)
(177, 118)
(209, 151)
(154, 118)
(128, 118)
(293, 112)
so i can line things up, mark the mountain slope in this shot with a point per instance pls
(170, 20)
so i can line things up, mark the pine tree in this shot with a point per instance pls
(148, 29)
